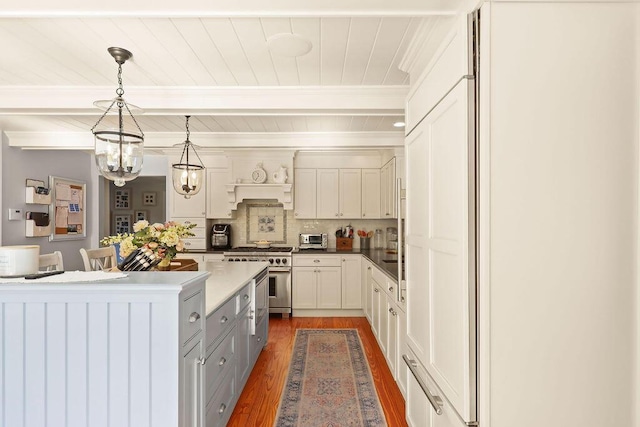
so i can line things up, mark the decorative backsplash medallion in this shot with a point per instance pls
(266, 221)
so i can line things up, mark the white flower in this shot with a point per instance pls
(142, 224)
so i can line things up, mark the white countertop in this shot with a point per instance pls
(227, 278)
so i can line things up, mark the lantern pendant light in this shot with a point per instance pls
(188, 177)
(119, 149)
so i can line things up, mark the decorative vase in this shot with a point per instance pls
(164, 264)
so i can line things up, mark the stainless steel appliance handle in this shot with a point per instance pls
(434, 400)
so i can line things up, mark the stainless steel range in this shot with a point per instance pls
(279, 259)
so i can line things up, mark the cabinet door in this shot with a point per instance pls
(217, 205)
(351, 281)
(304, 194)
(192, 385)
(350, 193)
(392, 337)
(329, 287)
(402, 370)
(327, 189)
(383, 322)
(303, 287)
(388, 189)
(376, 294)
(440, 272)
(191, 207)
(371, 193)
(243, 355)
(367, 289)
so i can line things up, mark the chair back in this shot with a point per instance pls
(51, 262)
(98, 259)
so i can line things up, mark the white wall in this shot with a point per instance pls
(564, 204)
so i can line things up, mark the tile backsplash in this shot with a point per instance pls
(246, 224)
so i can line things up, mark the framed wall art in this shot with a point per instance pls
(122, 224)
(149, 198)
(140, 215)
(68, 209)
(122, 199)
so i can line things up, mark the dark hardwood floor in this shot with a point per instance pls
(259, 401)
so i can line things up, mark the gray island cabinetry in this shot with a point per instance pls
(149, 349)
(237, 325)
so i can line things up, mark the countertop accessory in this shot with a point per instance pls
(344, 244)
(19, 260)
(263, 244)
(188, 177)
(259, 175)
(119, 152)
(280, 177)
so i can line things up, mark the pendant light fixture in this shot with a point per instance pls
(119, 148)
(188, 177)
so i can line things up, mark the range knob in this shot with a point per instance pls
(277, 260)
(230, 260)
(284, 261)
(244, 259)
(270, 260)
(237, 259)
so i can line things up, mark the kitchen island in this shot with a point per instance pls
(126, 351)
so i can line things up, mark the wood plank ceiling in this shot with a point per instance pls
(54, 64)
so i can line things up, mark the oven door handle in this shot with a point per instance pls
(279, 270)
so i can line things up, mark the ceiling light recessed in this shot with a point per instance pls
(398, 124)
(289, 45)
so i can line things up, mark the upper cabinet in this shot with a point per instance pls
(195, 206)
(327, 194)
(217, 204)
(371, 193)
(388, 189)
(350, 193)
(305, 193)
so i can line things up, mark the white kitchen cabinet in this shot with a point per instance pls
(351, 281)
(392, 337)
(440, 295)
(304, 194)
(218, 205)
(327, 190)
(401, 334)
(194, 206)
(350, 193)
(316, 282)
(371, 193)
(243, 337)
(329, 287)
(388, 189)
(367, 288)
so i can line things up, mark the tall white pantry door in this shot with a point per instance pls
(440, 291)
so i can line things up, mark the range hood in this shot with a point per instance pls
(283, 193)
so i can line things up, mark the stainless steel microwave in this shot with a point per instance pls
(313, 241)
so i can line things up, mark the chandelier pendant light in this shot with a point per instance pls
(188, 177)
(119, 148)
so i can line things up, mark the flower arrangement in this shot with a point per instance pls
(163, 239)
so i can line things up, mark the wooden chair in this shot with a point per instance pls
(99, 259)
(51, 262)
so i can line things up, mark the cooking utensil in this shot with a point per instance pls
(263, 244)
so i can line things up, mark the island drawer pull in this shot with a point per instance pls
(194, 317)
(245, 297)
(222, 408)
(222, 361)
(376, 290)
(223, 319)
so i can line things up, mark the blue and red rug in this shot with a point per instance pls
(329, 382)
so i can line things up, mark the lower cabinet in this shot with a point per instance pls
(233, 346)
(351, 281)
(192, 390)
(317, 287)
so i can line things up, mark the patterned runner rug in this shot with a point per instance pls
(329, 382)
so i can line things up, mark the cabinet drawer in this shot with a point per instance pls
(244, 297)
(219, 321)
(192, 316)
(219, 363)
(219, 408)
(199, 233)
(199, 222)
(195, 244)
(316, 261)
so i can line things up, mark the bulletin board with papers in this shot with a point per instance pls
(68, 209)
